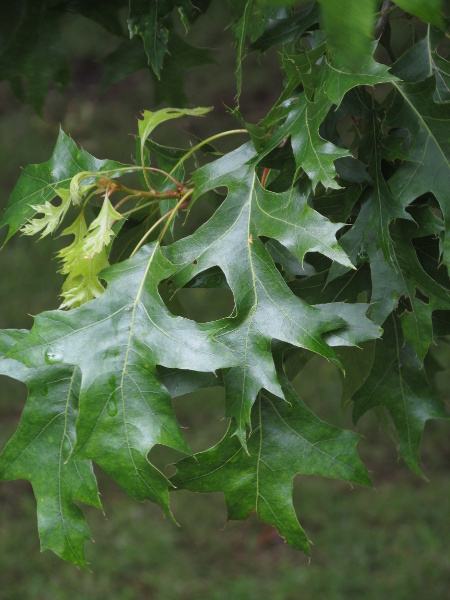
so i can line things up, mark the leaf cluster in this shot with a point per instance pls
(331, 230)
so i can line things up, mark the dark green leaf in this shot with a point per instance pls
(41, 452)
(286, 30)
(398, 383)
(144, 20)
(422, 60)
(34, 55)
(428, 122)
(124, 408)
(430, 11)
(340, 79)
(349, 28)
(286, 439)
(312, 153)
(265, 308)
(37, 183)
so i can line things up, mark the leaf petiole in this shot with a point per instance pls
(170, 214)
(204, 142)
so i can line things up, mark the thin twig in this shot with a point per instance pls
(386, 8)
(183, 202)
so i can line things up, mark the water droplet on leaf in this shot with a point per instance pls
(362, 256)
(53, 357)
(111, 407)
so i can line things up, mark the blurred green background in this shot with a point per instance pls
(392, 541)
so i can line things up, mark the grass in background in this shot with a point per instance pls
(389, 542)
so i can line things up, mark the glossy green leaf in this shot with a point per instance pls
(398, 383)
(286, 439)
(264, 307)
(328, 227)
(312, 153)
(124, 408)
(351, 37)
(39, 184)
(41, 452)
(430, 10)
(34, 55)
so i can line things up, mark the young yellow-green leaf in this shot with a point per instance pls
(82, 283)
(398, 383)
(150, 120)
(40, 183)
(286, 439)
(124, 408)
(53, 215)
(41, 452)
(99, 232)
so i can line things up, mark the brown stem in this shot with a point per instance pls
(386, 8)
(264, 176)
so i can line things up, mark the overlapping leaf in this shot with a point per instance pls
(398, 383)
(37, 184)
(314, 154)
(286, 439)
(428, 122)
(41, 452)
(422, 60)
(399, 277)
(351, 37)
(340, 78)
(265, 309)
(116, 341)
(430, 11)
(144, 20)
(373, 160)
(34, 55)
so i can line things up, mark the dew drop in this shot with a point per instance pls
(111, 407)
(53, 357)
(362, 256)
